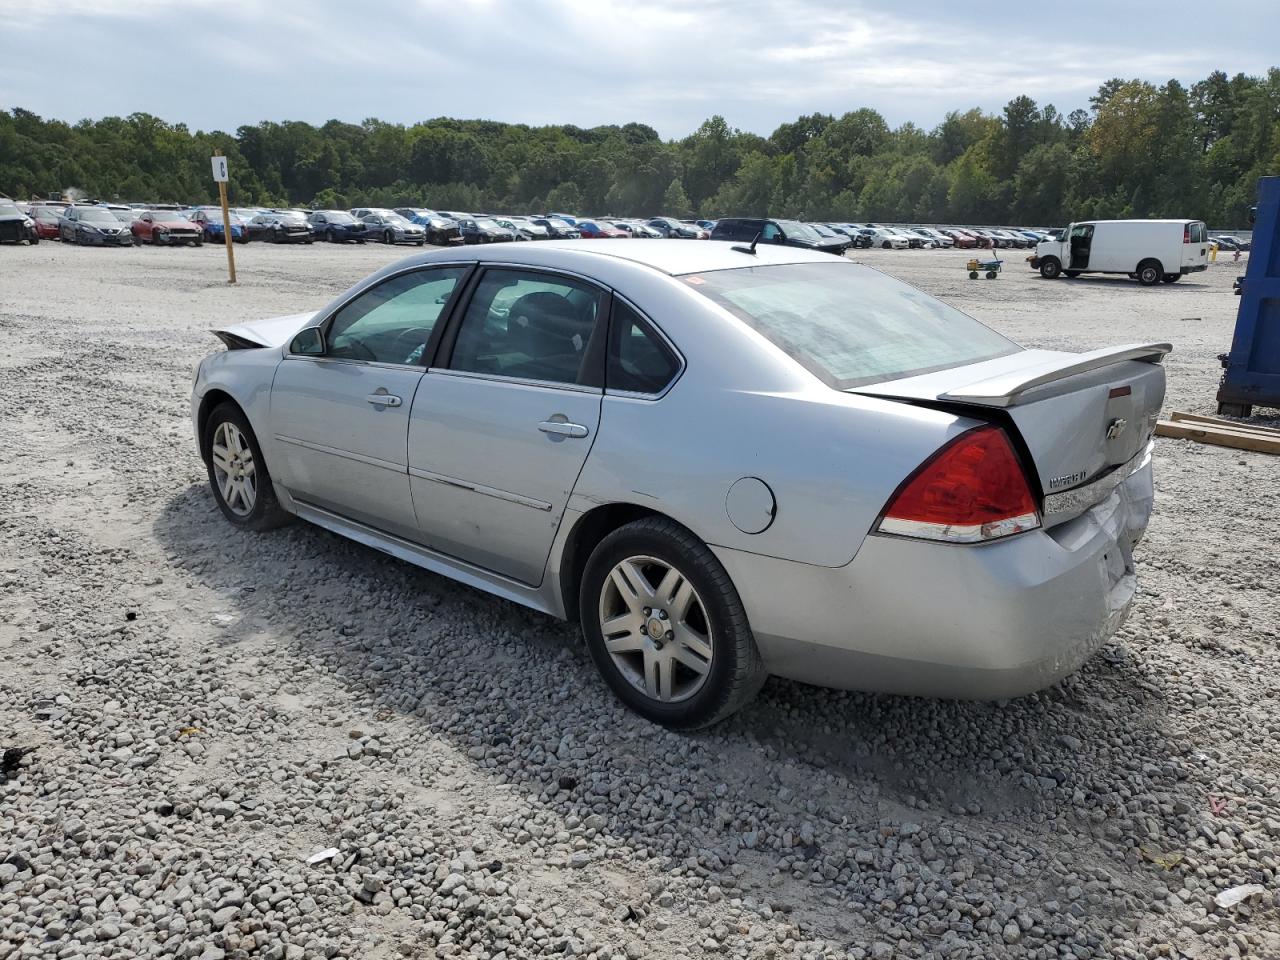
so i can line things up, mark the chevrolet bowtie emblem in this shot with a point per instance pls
(1116, 427)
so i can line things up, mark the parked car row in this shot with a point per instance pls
(1243, 244)
(100, 223)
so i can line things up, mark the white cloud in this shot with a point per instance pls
(668, 63)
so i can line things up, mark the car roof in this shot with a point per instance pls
(672, 257)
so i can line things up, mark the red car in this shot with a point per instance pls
(598, 230)
(46, 218)
(964, 241)
(166, 227)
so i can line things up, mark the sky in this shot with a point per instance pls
(218, 64)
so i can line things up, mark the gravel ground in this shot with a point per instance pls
(205, 709)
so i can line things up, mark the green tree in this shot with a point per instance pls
(674, 201)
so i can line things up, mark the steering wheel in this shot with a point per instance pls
(410, 340)
(354, 350)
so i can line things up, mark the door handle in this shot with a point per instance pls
(383, 400)
(562, 429)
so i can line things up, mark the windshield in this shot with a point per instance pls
(97, 215)
(338, 216)
(850, 325)
(797, 230)
(486, 224)
(9, 209)
(165, 215)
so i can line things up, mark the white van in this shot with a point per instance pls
(1148, 251)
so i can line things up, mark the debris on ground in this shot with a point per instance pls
(1220, 432)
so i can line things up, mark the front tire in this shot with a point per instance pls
(238, 472)
(1149, 272)
(666, 627)
(1050, 267)
(1171, 277)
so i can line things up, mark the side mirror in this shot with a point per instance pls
(780, 237)
(308, 343)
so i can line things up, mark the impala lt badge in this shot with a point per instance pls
(1070, 480)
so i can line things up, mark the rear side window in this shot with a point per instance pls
(850, 325)
(639, 360)
(528, 325)
(1197, 233)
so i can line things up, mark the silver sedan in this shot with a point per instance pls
(724, 461)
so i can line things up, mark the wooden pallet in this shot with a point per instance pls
(1220, 432)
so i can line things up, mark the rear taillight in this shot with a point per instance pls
(972, 490)
(1186, 234)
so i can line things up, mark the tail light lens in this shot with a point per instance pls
(1186, 234)
(971, 491)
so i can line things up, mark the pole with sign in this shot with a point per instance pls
(220, 176)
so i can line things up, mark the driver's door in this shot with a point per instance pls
(1081, 241)
(341, 418)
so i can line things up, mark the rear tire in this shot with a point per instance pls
(1149, 272)
(679, 574)
(1050, 268)
(241, 484)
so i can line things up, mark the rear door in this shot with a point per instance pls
(499, 431)
(342, 418)
(1195, 245)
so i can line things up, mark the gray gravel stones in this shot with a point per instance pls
(276, 695)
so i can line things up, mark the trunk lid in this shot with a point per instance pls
(1081, 416)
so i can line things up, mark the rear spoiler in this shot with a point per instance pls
(1007, 389)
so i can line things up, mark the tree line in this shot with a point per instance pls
(1139, 150)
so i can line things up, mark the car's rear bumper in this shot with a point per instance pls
(969, 622)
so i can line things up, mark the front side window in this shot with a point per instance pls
(528, 325)
(393, 322)
(770, 232)
(850, 325)
(639, 360)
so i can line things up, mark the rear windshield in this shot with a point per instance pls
(850, 325)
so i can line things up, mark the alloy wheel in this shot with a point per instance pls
(655, 628)
(233, 469)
